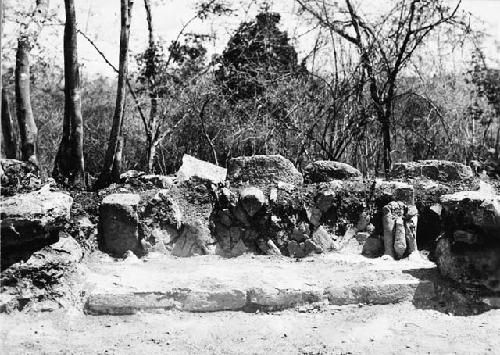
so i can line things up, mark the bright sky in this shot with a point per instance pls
(100, 20)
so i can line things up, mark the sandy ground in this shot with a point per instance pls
(389, 329)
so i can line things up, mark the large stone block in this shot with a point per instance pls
(327, 170)
(472, 209)
(119, 224)
(439, 170)
(469, 265)
(34, 216)
(263, 169)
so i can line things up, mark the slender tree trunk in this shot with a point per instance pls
(69, 165)
(1, 76)
(9, 145)
(112, 161)
(153, 112)
(386, 132)
(27, 127)
(151, 155)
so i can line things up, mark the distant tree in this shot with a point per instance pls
(487, 83)
(256, 54)
(162, 73)
(384, 44)
(9, 142)
(27, 127)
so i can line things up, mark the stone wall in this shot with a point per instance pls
(266, 206)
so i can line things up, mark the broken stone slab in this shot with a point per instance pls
(119, 224)
(327, 170)
(467, 209)
(202, 170)
(65, 251)
(275, 299)
(385, 292)
(263, 170)
(33, 216)
(439, 170)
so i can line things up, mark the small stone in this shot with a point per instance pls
(373, 247)
(323, 240)
(313, 215)
(300, 232)
(252, 200)
(326, 200)
(326, 170)
(295, 250)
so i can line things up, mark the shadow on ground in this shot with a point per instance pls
(449, 297)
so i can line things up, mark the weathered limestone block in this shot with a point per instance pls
(323, 240)
(268, 247)
(261, 170)
(469, 250)
(35, 216)
(202, 170)
(252, 200)
(327, 170)
(119, 224)
(49, 279)
(439, 170)
(18, 176)
(472, 209)
(469, 265)
(395, 191)
(195, 239)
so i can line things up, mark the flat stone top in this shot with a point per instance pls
(122, 199)
(36, 204)
(478, 196)
(441, 170)
(161, 273)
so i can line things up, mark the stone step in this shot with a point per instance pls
(212, 284)
(253, 299)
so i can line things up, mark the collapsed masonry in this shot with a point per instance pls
(261, 205)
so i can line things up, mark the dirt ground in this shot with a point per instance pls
(389, 329)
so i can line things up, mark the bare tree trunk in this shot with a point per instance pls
(27, 127)
(152, 142)
(9, 145)
(386, 132)
(69, 167)
(151, 155)
(1, 84)
(112, 161)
